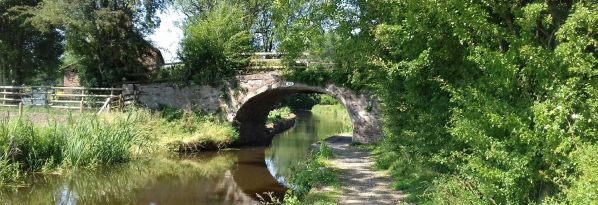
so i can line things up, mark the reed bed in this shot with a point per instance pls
(84, 141)
(89, 140)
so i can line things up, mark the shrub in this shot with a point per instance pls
(215, 45)
(312, 172)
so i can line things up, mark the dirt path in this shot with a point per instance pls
(360, 184)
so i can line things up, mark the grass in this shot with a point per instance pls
(83, 142)
(170, 130)
(338, 111)
(87, 140)
(314, 180)
(279, 114)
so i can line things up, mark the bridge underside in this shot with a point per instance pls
(252, 116)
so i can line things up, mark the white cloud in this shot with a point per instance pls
(168, 36)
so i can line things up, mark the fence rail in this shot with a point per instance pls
(60, 97)
(270, 61)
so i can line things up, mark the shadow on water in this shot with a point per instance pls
(232, 177)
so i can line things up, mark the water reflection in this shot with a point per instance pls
(204, 179)
(292, 146)
(232, 177)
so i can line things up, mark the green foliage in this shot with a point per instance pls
(300, 101)
(28, 55)
(257, 17)
(311, 173)
(584, 189)
(170, 129)
(84, 142)
(105, 36)
(214, 45)
(279, 114)
(484, 102)
(92, 141)
(337, 111)
(328, 100)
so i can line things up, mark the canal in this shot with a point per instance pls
(227, 177)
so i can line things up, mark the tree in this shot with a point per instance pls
(107, 36)
(215, 45)
(485, 102)
(257, 17)
(27, 54)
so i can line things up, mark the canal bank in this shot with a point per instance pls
(225, 177)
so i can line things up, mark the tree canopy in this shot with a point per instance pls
(486, 102)
(28, 55)
(105, 37)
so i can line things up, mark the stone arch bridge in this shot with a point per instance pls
(246, 101)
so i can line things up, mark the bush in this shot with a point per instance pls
(279, 114)
(215, 46)
(300, 101)
(311, 173)
(484, 103)
(328, 100)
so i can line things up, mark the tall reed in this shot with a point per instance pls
(82, 142)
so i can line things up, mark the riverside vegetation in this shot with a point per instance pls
(314, 181)
(484, 102)
(88, 141)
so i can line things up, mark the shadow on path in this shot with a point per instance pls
(360, 184)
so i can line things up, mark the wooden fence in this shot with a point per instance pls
(60, 97)
(269, 61)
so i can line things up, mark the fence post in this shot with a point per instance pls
(82, 100)
(20, 108)
(81, 106)
(4, 96)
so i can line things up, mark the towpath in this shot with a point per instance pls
(360, 183)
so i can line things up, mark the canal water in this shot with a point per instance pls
(228, 177)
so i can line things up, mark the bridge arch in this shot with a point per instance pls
(246, 101)
(254, 106)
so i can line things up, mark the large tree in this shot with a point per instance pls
(27, 55)
(106, 36)
(485, 102)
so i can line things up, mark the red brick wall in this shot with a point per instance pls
(71, 79)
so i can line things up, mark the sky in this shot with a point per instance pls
(169, 34)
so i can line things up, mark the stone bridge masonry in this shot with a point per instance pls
(246, 101)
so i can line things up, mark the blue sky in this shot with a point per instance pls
(169, 34)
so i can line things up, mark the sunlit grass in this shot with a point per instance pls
(167, 133)
(279, 114)
(337, 111)
(87, 140)
(315, 181)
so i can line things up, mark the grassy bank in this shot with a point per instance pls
(278, 115)
(337, 111)
(84, 141)
(314, 181)
(175, 130)
(87, 140)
